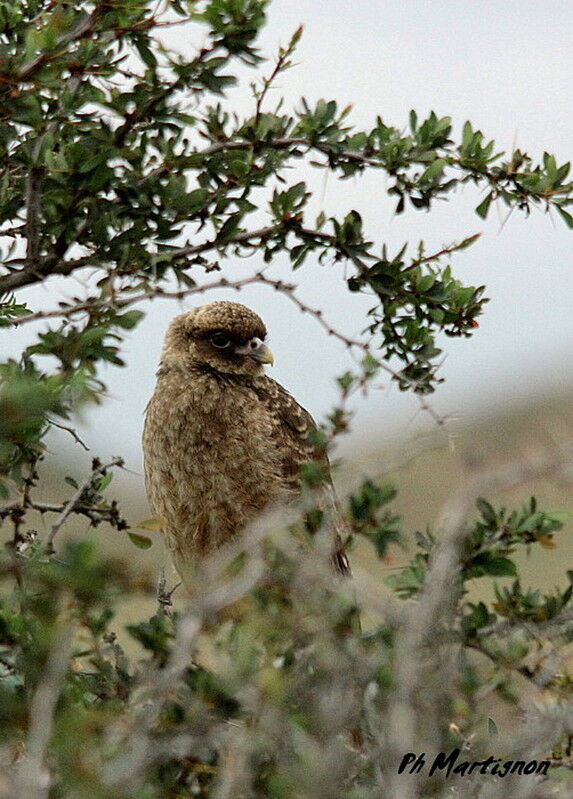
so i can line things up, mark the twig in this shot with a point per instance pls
(280, 65)
(72, 432)
(444, 251)
(530, 625)
(41, 507)
(97, 468)
(34, 182)
(164, 596)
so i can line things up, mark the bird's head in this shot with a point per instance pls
(226, 336)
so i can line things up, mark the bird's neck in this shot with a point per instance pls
(229, 373)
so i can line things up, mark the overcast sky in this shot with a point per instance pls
(505, 66)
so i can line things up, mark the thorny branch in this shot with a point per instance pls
(503, 627)
(72, 432)
(364, 159)
(288, 289)
(51, 266)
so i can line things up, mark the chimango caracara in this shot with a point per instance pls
(222, 441)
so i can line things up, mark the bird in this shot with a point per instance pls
(223, 441)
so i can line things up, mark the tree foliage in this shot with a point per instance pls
(123, 162)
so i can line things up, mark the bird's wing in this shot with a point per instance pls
(291, 427)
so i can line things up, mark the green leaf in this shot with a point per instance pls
(295, 38)
(425, 282)
(313, 474)
(467, 134)
(483, 208)
(489, 564)
(140, 541)
(413, 121)
(463, 245)
(486, 510)
(146, 54)
(104, 481)
(129, 320)
(566, 216)
(229, 228)
(434, 171)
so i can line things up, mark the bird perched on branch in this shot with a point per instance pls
(222, 441)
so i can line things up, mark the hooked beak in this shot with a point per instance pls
(258, 351)
(266, 355)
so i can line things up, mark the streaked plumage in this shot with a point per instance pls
(222, 440)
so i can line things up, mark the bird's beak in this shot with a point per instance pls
(265, 355)
(258, 351)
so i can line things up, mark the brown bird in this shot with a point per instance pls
(222, 441)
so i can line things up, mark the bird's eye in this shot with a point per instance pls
(220, 340)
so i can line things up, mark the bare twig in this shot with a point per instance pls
(41, 507)
(72, 432)
(164, 596)
(33, 215)
(280, 65)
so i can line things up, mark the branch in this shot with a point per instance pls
(451, 248)
(52, 266)
(33, 777)
(280, 65)
(72, 432)
(288, 289)
(213, 589)
(34, 183)
(97, 468)
(84, 28)
(530, 625)
(423, 623)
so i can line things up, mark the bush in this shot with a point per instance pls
(265, 685)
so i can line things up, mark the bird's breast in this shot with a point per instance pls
(210, 461)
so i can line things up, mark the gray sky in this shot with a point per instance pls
(505, 66)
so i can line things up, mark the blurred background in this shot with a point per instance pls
(508, 391)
